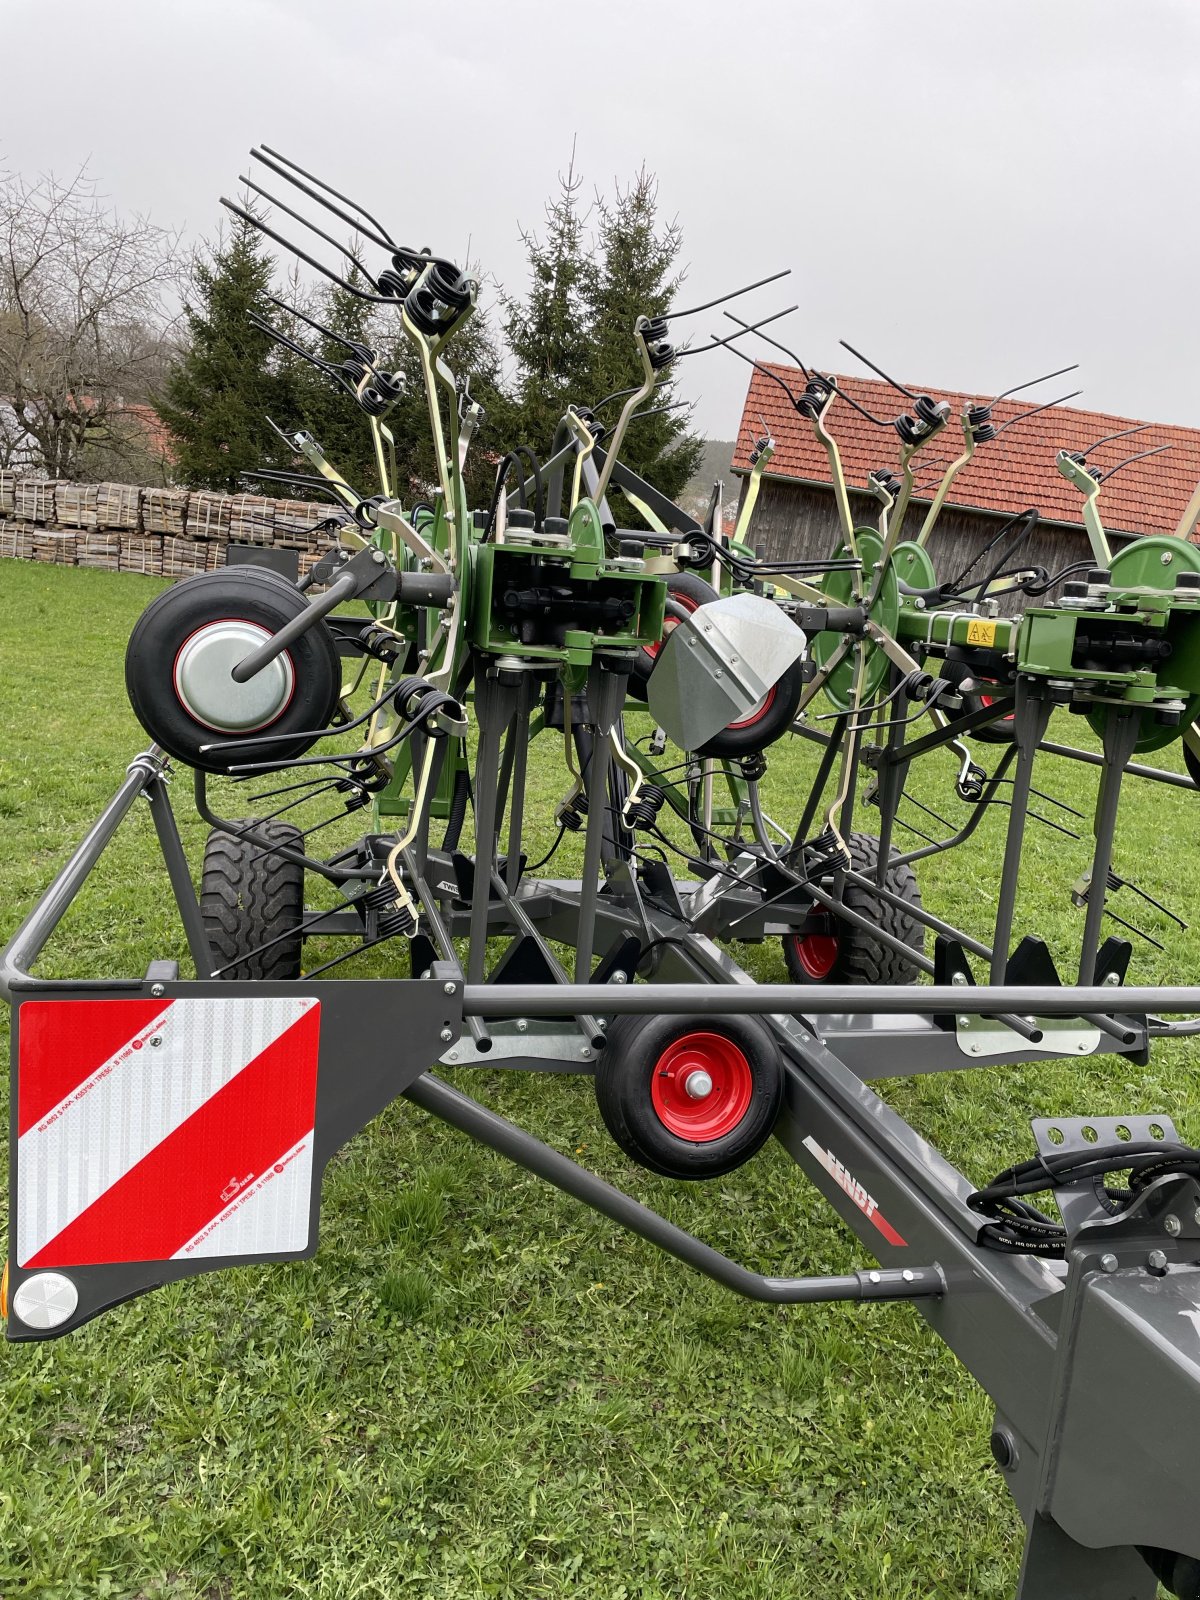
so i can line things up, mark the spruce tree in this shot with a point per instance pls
(227, 381)
(334, 419)
(572, 333)
(631, 273)
(548, 331)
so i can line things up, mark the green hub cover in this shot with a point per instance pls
(1155, 563)
(885, 610)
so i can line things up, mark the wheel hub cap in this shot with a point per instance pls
(207, 691)
(701, 1087)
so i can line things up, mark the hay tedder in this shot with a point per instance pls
(165, 1126)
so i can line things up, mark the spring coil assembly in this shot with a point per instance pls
(1080, 460)
(660, 352)
(812, 401)
(419, 703)
(572, 811)
(387, 914)
(930, 414)
(641, 810)
(980, 425)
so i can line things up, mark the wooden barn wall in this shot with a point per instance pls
(796, 521)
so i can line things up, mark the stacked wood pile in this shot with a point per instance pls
(169, 533)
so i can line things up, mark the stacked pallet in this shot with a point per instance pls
(16, 540)
(76, 505)
(142, 553)
(119, 506)
(55, 546)
(297, 523)
(184, 558)
(165, 511)
(252, 519)
(209, 514)
(170, 533)
(33, 500)
(95, 549)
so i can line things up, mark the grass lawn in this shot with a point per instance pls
(477, 1387)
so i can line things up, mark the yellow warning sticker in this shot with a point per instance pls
(980, 632)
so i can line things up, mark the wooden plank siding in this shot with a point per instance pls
(798, 522)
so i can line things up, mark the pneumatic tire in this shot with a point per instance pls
(647, 1091)
(830, 950)
(249, 897)
(259, 603)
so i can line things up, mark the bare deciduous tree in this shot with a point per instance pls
(84, 299)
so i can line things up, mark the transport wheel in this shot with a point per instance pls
(763, 723)
(828, 950)
(248, 896)
(689, 1096)
(184, 647)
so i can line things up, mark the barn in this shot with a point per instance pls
(795, 517)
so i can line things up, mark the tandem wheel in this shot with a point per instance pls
(250, 896)
(828, 949)
(689, 1096)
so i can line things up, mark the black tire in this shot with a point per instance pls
(648, 1117)
(687, 593)
(855, 956)
(249, 594)
(248, 896)
(999, 732)
(768, 722)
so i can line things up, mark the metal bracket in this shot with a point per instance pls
(979, 1037)
(1077, 1203)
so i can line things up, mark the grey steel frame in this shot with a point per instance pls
(1091, 1361)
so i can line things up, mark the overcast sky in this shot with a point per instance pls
(971, 193)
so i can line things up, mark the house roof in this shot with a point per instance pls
(1006, 475)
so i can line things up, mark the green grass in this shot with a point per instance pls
(477, 1387)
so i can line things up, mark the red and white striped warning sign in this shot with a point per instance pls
(150, 1129)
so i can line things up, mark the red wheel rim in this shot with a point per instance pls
(760, 711)
(701, 1087)
(817, 953)
(686, 603)
(990, 700)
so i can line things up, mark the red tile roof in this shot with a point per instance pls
(1012, 472)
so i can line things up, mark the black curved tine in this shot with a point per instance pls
(899, 387)
(830, 382)
(1033, 382)
(619, 394)
(388, 242)
(288, 343)
(1037, 410)
(661, 411)
(733, 294)
(716, 343)
(305, 223)
(766, 371)
(299, 480)
(791, 355)
(303, 255)
(328, 333)
(1129, 460)
(1139, 427)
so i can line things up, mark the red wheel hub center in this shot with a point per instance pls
(817, 953)
(701, 1087)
